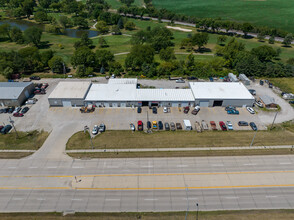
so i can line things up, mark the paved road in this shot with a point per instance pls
(156, 184)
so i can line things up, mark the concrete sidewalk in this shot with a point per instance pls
(180, 149)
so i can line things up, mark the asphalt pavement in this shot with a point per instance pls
(146, 184)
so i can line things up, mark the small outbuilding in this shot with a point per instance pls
(69, 93)
(211, 94)
(269, 102)
(15, 93)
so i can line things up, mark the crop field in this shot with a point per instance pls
(273, 13)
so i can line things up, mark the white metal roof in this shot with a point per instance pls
(112, 92)
(12, 90)
(70, 90)
(220, 90)
(165, 95)
(123, 81)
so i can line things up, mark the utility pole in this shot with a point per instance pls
(12, 122)
(64, 70)
(197, 211)
(274, 120)
(253, 138)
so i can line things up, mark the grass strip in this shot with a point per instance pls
(285, 214)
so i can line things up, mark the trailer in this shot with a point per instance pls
(187, 125)
(198, 127)
(204, 125)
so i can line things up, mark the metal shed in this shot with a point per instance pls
(69, 93)
(211, 94)
(15, 93)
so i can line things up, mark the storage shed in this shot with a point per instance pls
(233, 77)
(210, 94)
(15, 93)
(269, 102)
(244, 79)
(69, 93)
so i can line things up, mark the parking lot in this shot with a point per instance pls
(41, 117)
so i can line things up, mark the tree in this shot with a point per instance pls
(200, 39)
(64, 21)
(221, 39)
(127, 2)
(33, 35)
(56, 64)
(81, 22)
(246, 27)
(8, 71)
(130, 26)
(288, 40)
(28, 7)
(159, 38)
(271, 39)
(167, 54)
(139, 54)
(115, 30)
(45, 3)
(120, 24)
(264, 53)
(249, 64)
(31, 60)
(102, 42)
(103, 58)
(84, 42)
(46, 56)
(230, 51)
(41, 16)
(16, 35)
(83, 56)
(5, 30)
(261, 37)
(290, 61)
(102, 27)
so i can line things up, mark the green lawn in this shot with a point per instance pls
(63, 45)
(272, 13)
(285, 84)
(32, 140)
(115, 4)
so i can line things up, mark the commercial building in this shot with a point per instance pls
(69, 93)
(128, 95)
(15, 93)
(210, 94)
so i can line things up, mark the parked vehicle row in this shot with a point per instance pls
(40, 88)
(166, 110)
(16, 112)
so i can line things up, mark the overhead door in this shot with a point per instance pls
(123, 104)
(66, 103)
(204, 103)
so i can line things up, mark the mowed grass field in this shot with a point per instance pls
(179, 139)
(285, 84)
(272, 13)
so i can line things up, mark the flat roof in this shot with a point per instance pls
(220, 90)
(165, 95)
(112, 92)
(123, 81)
(70, 90)
(12, 90)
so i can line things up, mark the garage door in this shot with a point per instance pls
(123, 104)
(204, 103)
(66, 103)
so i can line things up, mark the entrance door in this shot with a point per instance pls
(123, 105)
(204, 103)
(144, 103)
(217, 103)
(66, 103)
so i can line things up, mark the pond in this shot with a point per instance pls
(23, 25)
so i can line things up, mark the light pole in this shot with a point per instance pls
(197, 210)
(274, 120)
(12, 122)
